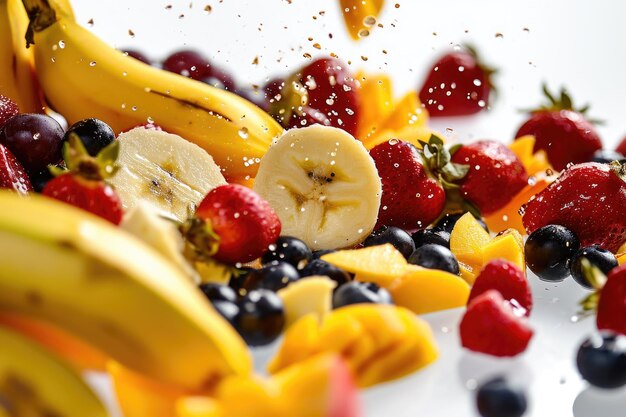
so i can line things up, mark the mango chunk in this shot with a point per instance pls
(466, 241)
(534, 162)
(309, 295)
(378, 102)
(429, 290)
(380, 264)
(509, 246)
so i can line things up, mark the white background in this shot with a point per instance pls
(572, 43)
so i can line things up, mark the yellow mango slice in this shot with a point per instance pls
(467, 273)
(621, 259)
(380, 264)
(309, 295)
(534, 162)
(377, 103)
(360, 16)
(509, 246)
(466, 241)
(428, 290)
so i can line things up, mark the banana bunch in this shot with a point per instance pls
(82, 77)
(110, 289)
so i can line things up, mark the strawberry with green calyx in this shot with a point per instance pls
(562, 130)
(414, 182)
(82, 183)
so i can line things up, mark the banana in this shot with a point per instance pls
(144, 222)
(323, 185)
(84, 77)
(72, 269)
(164, 170)
(34, 383)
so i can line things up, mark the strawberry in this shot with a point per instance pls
(413, 195)
(325, 85)
(562, 131)
(232, 224)
(491, 326)
(12, 173)
(495, 174)
(457, 85)
(612, 302)
(82, 183)
(308, 116)
(8, 109)
(588, 199)
(508, 279)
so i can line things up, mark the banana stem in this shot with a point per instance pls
(41, 15)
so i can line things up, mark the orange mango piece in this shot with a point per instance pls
(140, 396)
(534, 162)
(380, 264)
(66, 345)
(428, 290)
(508, 246)
(467, 240)
(377, 103)
(360, 16)
(621, 254)
(468, 273)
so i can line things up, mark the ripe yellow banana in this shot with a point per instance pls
(84, 77)
(35, 383)
(76, 271)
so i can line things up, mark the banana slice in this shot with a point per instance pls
(145, 222)
(323, 185)
(164, 170)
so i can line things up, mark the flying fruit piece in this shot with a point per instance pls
(305, 296)
(164, 170)
(360, 16)
(323, 185)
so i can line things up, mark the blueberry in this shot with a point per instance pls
(238, 277)
(400, 239)
(435, 257)
(94, 133)
(601, 360)
(431, 236)
(320, 267)
(606, 156)
(448, 221)
(357, 292)
(218, 292)
(288, 249)
(228, 310)
(40, 179)
(261, 317)
(601, 258)
(273, 277)
(496, 398)
(548, 250)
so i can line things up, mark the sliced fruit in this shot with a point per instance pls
(509, 246)
(467, 273)
(378, 342)
(380, 264)
(306, 296)
(467, 240)
(323, 185)
(360, 16)
(165, 170)
(67, 346)
(534, 162)
(427, 290)
(377, 91)
(140, 396)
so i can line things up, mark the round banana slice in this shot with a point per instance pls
(164, 170)
(323, 185)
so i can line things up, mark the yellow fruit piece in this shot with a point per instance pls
(508, 217)
(621, 254)
(412, 134)
(377, 102)
(509, 246)
(466, 241)
(378, 342)
(428, 290)
(139, 396)
(214, 271)
(360, 16)
(534, 162)
(305, 296)
(380, 264)
(467, 273)
(69, 347)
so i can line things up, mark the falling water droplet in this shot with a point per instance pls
(243, 133)
(92, 64)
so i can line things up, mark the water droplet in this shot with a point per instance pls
(62, 44)
(461, 68)
(445, 329)
(363, 33)
(134, 108)
(369, 21)
(477, 82)
(243, 133)
(150, 120)
(36, 136)
(92, 64)
(393, 141)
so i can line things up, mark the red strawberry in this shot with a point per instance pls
(325, 84)
(621, 148)
(495, 174)
(233, 224)
(491, 326)
(83, 185)
(562, 131)
(457, 85)
(506, 278)
(412, 197)
(12, 173)
(612, 302)
(8, 109)
(588, 199)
